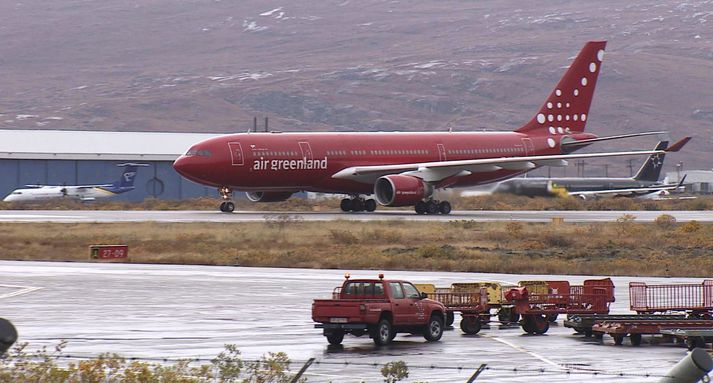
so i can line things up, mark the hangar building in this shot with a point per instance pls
(697, 181)
(62, 157)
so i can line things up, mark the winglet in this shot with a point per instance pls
(680, 183)
(678, 145)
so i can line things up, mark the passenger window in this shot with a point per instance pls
(378, 289)
(411, 291)
(396, 291)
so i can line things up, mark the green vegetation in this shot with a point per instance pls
(625, 247)
(20, 365)
(228, 367)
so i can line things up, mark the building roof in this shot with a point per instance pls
(692, 176)
(94, 145)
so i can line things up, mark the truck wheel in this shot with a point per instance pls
(450, 318)
(470, 325)
(335, 337)
(382, 337)
(434, 329)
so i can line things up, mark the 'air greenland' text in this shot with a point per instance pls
(303, 164)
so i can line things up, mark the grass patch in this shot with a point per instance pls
(624, 247)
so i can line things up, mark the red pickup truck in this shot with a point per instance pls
(380, 308)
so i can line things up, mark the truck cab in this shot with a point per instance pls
(380, 308)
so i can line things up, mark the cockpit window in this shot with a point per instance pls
(193, 152)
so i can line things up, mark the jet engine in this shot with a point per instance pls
(268, 196)
(400, 190)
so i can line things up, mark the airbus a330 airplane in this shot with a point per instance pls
(33, 193)
(403, 168)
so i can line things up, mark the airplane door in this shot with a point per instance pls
(529, 148)
(306, 150)
(236, 153)
(441, 152)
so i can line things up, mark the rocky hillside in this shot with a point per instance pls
(211, 65)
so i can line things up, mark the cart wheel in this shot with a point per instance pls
(470, 325)
(540, 324)
(335, 337)
(635, 339)
(618, 339)
(695, 341)
(552, 318)
(450, 318)
(588, 332)
(505, 316)
(598, 335)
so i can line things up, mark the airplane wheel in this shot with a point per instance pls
(229, 207)
(444, 207)
(346, 204)
(357, 204)
(370, 205)
(431, 207)
(420, 207)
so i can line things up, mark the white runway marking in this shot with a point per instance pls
(533, 354)
(22, 290)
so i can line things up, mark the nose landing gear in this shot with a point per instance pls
(433, 207)
(357, 204)
(226, 193)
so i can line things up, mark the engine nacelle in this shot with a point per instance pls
(268, 196)
(399, 190)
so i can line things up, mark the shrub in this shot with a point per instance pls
(343, 237)
(394, 371)
(665, 221)
(514, 229)
(691, 227)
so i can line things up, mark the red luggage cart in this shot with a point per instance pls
(592, 297)
(695, 299)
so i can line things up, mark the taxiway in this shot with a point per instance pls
(77, 216)
(174, 311)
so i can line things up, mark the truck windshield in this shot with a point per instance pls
(370, 289)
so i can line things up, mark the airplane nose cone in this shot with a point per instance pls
(181, 165)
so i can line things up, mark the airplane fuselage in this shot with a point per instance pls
(307, 161)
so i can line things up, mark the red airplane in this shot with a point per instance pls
(404, 168)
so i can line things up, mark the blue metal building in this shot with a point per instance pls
(55, 157)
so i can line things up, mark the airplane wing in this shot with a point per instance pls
(630, 192)
(441, 170)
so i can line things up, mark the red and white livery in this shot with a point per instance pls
(403, 168)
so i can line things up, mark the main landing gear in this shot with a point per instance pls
(433, 207)
(358, 203)
(226, 193)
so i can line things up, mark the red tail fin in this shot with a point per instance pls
(567, 108)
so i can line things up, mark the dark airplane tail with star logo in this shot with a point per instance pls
(651, 169)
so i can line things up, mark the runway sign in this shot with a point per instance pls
(108, 252)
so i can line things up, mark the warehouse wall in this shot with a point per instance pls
(157, 180)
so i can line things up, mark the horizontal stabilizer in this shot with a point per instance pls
(678, 145)
(607, 138)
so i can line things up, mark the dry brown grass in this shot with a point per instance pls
(489, 202)
(620, 248)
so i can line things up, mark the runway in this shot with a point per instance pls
(172, 311)
(77, 216)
